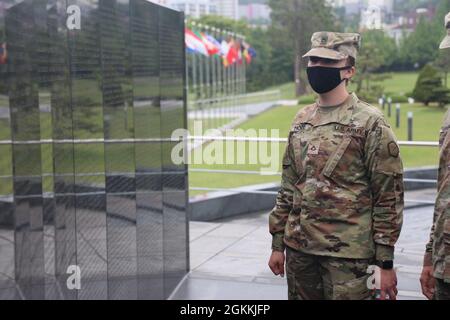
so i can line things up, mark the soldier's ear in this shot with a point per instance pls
(350, 73)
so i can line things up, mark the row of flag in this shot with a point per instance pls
(231, 51)
(3, 53)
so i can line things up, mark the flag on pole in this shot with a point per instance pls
(210, 45)
(3, 53)
(248, 57)
(224, 48)
(239, 50)
(232, 55)
(252, 52)
(210, 48)
(213, 41)
(194, 43)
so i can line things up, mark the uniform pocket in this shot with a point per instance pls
(447, 236)
(352, 290)
(296, 145)
(446, 239)
(336, 157)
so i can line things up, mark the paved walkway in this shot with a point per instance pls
(229, 257)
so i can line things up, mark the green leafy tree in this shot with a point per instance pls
(385, 46)
(442, 96)
(420, 47)
(443, 63)
(293, 23)
(429, 87)
(443, 58)
(371, 58)
(258, 72)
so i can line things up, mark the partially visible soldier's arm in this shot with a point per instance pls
(386, 181)
(428, 257)
(444, 188)
(280, 213)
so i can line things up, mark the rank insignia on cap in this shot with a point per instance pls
(324, 39)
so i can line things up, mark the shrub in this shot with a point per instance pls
(429, 87)
(399, 99)
(308, 99)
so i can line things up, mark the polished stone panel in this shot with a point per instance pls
(86, 95)
(144, 17)
(172, 68)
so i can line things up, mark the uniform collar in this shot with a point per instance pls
(342, 114)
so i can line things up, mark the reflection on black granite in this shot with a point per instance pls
(71, 193)
(174, 176)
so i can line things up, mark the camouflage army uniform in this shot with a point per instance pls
(341, 199)
(438, 249)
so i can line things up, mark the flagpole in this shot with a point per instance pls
(230, 84)
(195, 86)
(233, 79)
(241, 71)
(186, 64)
(208, 84)
(244, 85)
(220, 74)
(225, 79)
(213, 82)
(202, 81)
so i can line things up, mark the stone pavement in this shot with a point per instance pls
(229, 257)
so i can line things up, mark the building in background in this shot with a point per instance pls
(227, 8)
(352, 7)
(358, 7)
(255, 13)
(407, 22)
(191, 8)
(198, 8)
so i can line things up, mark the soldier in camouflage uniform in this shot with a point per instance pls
(340, 206)
(435, 277)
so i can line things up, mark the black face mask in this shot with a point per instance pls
(325, 79)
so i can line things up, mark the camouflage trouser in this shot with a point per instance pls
(442, 290)
(313, 277)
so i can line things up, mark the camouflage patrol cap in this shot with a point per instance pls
(446, 42)
(334, 45)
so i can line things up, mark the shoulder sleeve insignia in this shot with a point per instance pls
(394, 151)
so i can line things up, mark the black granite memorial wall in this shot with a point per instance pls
(91, 204)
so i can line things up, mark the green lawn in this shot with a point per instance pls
(427, 122)
(399, 83)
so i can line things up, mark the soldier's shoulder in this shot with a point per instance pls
(304, 113)
(446, 122)
(369, 113)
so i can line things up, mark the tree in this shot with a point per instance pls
(442, 96)
(386, 49)
(293, 23)
(420, 47)
(429, 87)
(443, 63)
(443, 59)
(370, 59)
(258, 72)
